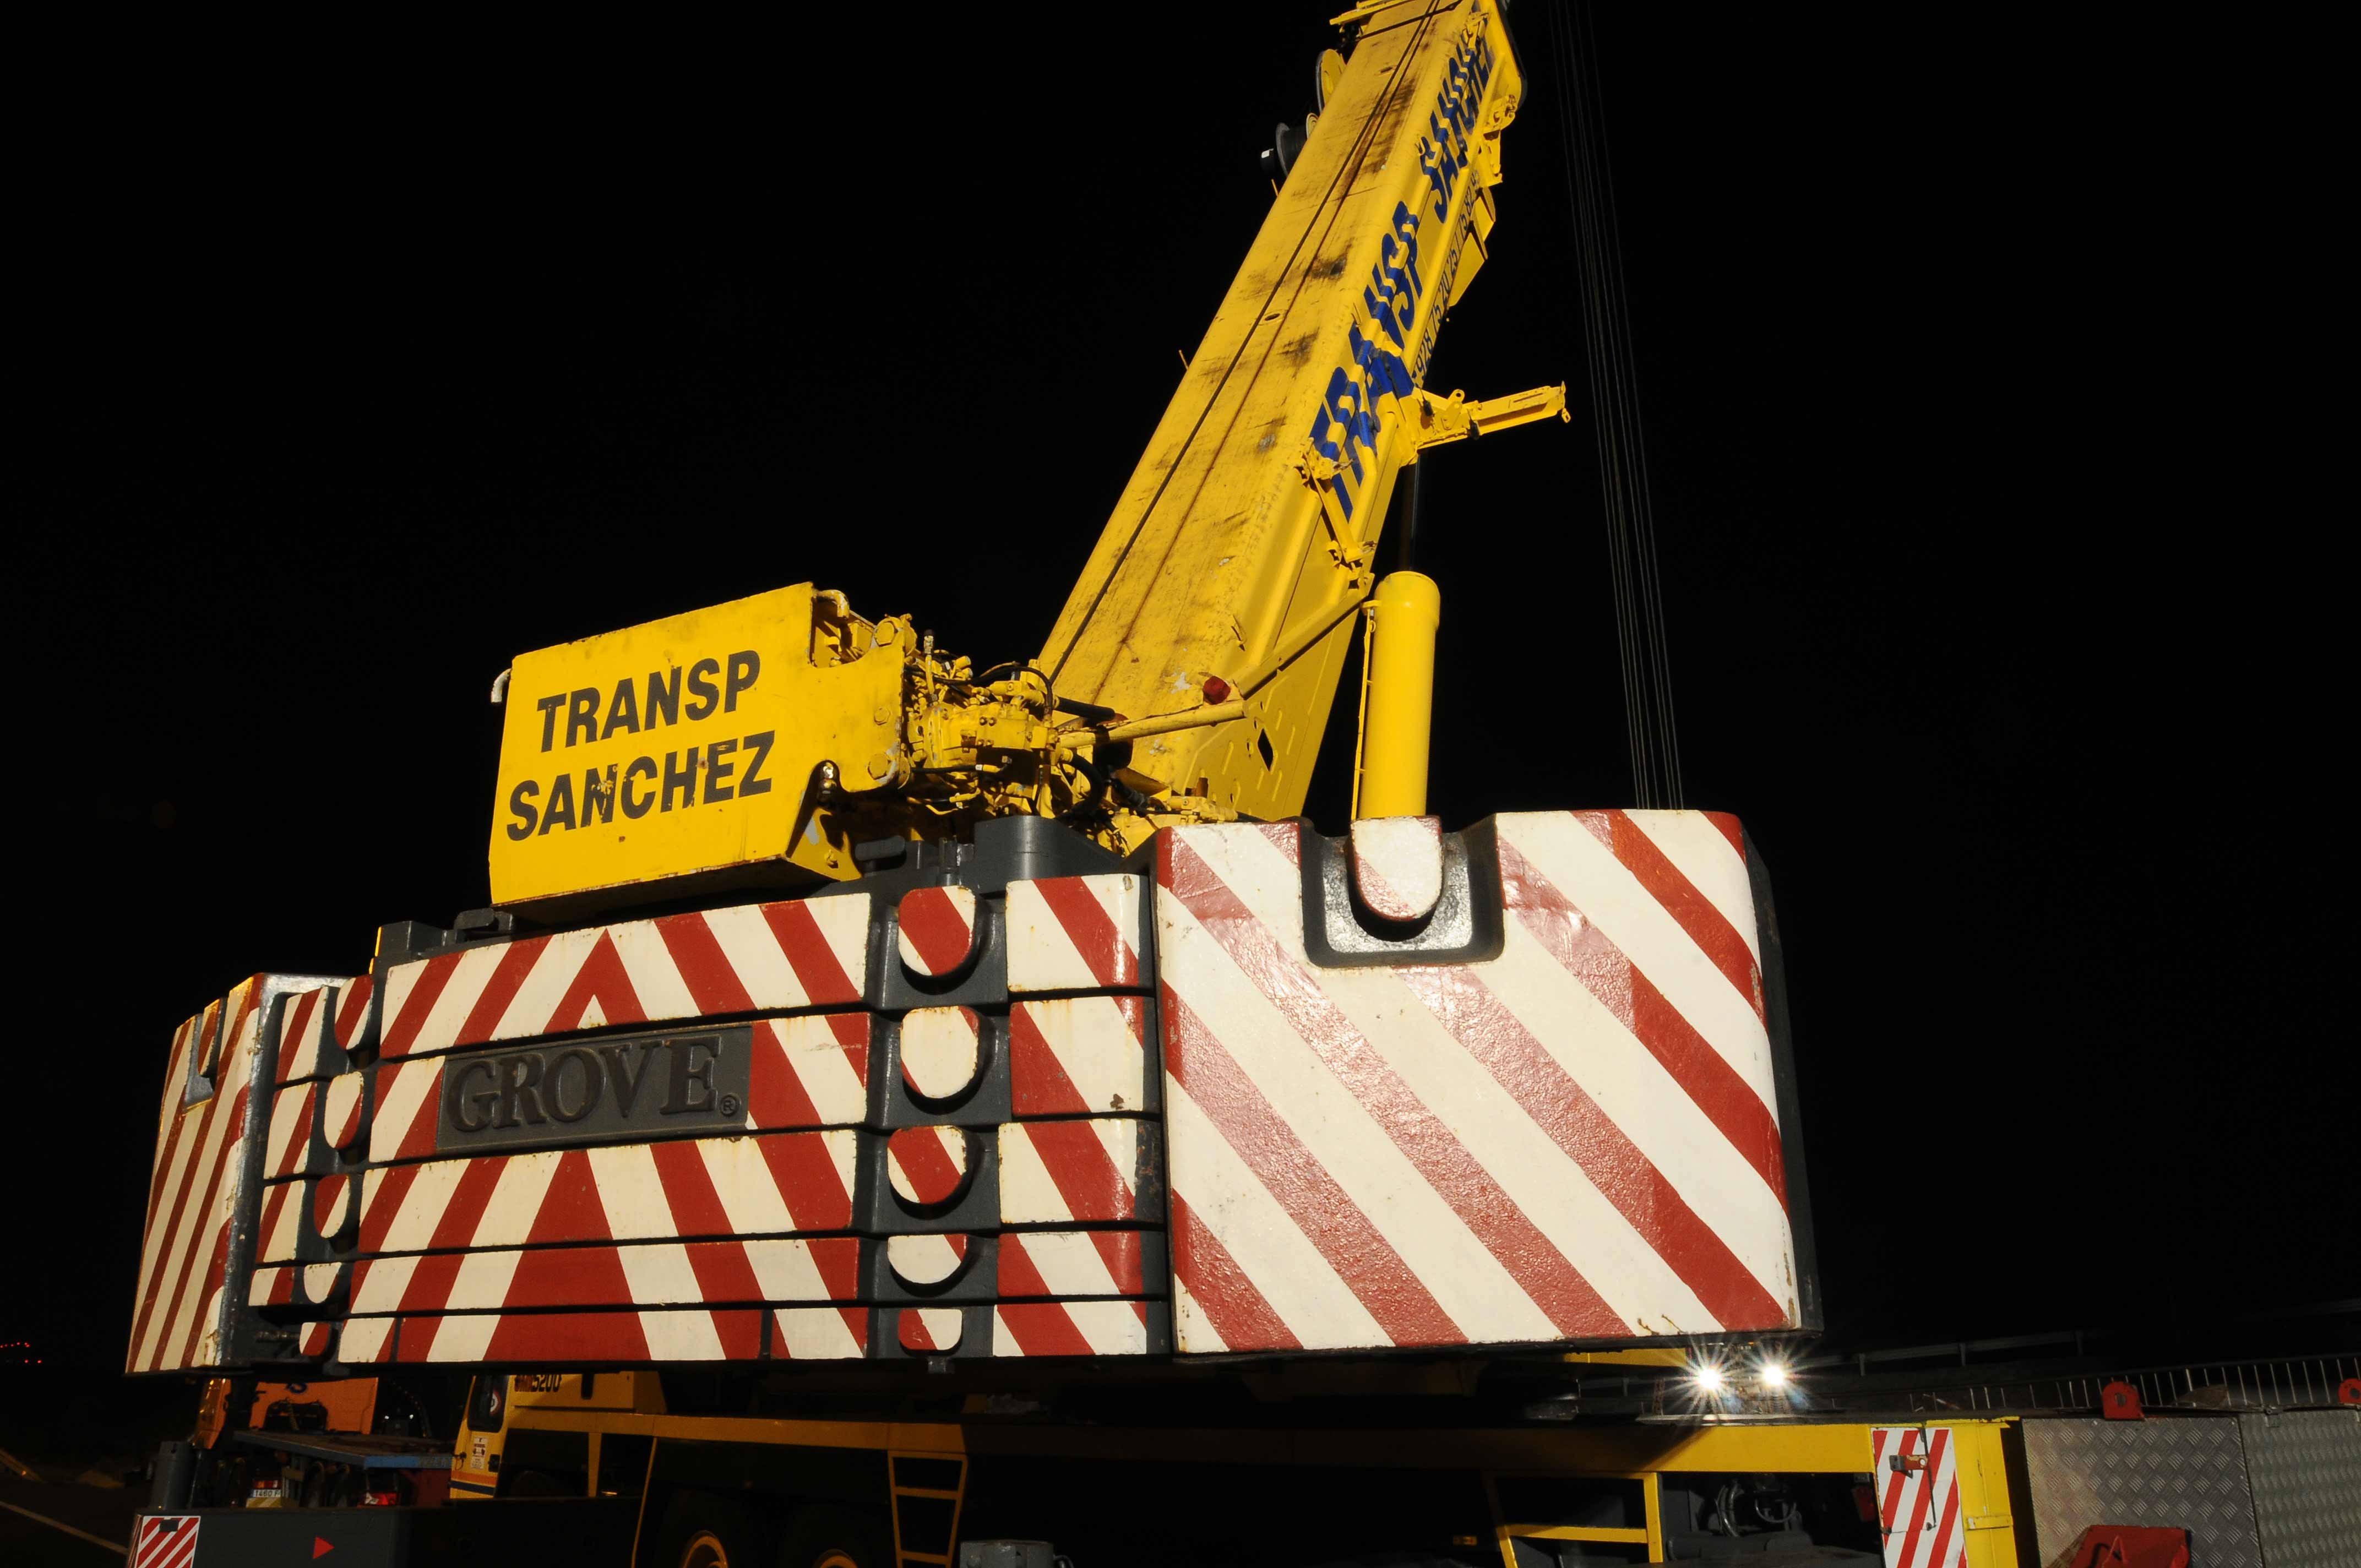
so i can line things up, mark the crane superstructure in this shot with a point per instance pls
(1189, 677)
(842, 1001)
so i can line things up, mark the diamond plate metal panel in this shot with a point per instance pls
(2305, 1469)
(2185, 1472)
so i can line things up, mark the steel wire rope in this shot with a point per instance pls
(1350, 165)
(1604, 417)
(1619, 563)
(1643, 644)
(1650, 577)
(1610, 413)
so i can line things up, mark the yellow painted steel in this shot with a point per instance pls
(1650, 1533)
(1192, 672)
(1643, 1453)
(641, 1392)
(1256, 511)
(1398, 706)
(955, 1495)
(1435, 420)
(913, 1437)
(1986, 1514)
(685, 747)
(1642, 1450)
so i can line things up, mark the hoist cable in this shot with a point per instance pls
(1611, 417)
(1613, 478)
(1634, 566)
(1578, 179)
(1646, 563)
(1651, 579)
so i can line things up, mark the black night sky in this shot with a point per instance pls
(1974, 365)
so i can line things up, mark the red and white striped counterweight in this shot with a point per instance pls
(1408, 1090)
(1570, 1135)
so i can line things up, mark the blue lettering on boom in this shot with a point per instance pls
(1349, 418)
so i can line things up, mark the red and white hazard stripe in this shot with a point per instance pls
(1072, 1262)
(179, 1133)
(941, 1049)
(1070, 1328)
(641, 1274)
(331, 1203)
(935, 928)
(1078, 1055)
(340, 1110)
(929, 1329)
(1042, 1264)
(291, 1130)
(1059, 1172)
(1918, 1497)
(366, 1340)
(1031, 1327)
(302, 1028)
(281, 1284)
(1076, 933)
(1575, 1139)
(195, 1185)
(798, 1333)
(746, 959)
(334, 1014)
(922, 1260)
(819, 1333)
(728, 1335)
(280, 1224)
(927, 1166)
(809, 1073)
(805, 1072)
(166, 1540)
(353, 1011)
(675, 1249)
(408, 1111)
(768, 1185)
(804, 1333)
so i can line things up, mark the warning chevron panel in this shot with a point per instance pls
(1575, 1139)
(745, 958)
(1918, 1497)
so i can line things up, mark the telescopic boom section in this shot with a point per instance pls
(1227, 580)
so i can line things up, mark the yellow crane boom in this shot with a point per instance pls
(1246, 539)
(1190, 674)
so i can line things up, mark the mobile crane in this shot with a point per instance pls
(893, 1105)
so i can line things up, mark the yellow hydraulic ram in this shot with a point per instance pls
(1398, 697)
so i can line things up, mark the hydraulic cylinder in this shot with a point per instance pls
(1398, 697)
